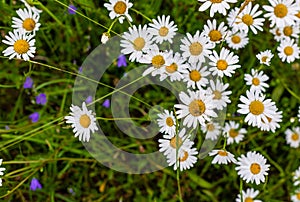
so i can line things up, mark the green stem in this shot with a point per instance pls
(138, 12)
(178, 184)
(49, 12)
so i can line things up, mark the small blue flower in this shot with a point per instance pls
(89, 99)
(41, 99)
(7, 127)
(28, 83)
(80, 69)
(34, 117)
(35, 184)
(121, 62)
(72, 9)
(106, 103)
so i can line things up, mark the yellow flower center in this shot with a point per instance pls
(139, 43)
(217, 95)
(176, 141)
(222, 65)
(21, 46)
(288, 50)
(236, 39)
(172, 68)
(85, 121)
(163, 31)
(120, 7)
(288, 30)
(158, 61)
(298, 196)
(185, 156)
(233, 133)
(169, 122)
(215, 35)
(216, 1)
(247, 19)
(278, 32)
(255, 168)
(298, 15)
(248, 199)
(197, 107)
(210, 127)
(196, 48)
(295, 137)
(256, 107)
(29, 24)
(195, 75)
(255, 81)
(222, 153)
(280, 10)
(264, 58)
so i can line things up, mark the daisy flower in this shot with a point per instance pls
(296, 177)
(197, 108)
(248, 196)
(272, 123)
(233, 132)
(288, 50)
(248, 18)
(196, 75)
(196, 48)
(162, 29)
(281, 12)
(174, 68)
(83, 122)
(293, 137)
(136, 41)
(253, 167)
(167, 123)
(157, 60)
(291, 31)
(265, 57)
(258, 109)
(257, 80)
(34, 9)
(27, 21)
(277, 33)
(1, 171)
(215, 34)
(218, 89)
(20, 45)
(186, 159)
(296, 197)
(212, 130)
(222, 157)
(220, 6)
(223, 64)
(119, 9)
(237, 40)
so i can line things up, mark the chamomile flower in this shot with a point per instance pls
(288, 50)
(265, 57)
(248, 196)
(83, 122)
(224, 63)
(257, 109)
(296, 177)
(1, 171)
(162, 29)
(20, 44)
(237, 40)
(257, 80)
(272, 123)
(186, 159)
(277, 33)
(253, 167)
(195, 76)
(293, 137)
(167, 123)
(222, 157)
(136, 42)
(119, 9)
(220, 6)
(215, 34)
(174, 68)
(196, 48)
(34, 9)
(248, 18)
(212, 130)
(218, 89)
(296, 196)
(281, 12)
(197, 108)
(291, 31)
(27, 22)
(233, 132)
(157, 60)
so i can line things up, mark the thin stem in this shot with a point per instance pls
(178, 185)
(49, 12)
(138, 12)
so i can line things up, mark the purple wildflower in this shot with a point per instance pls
(72, 9)
(28, 83)
(89, 99)
(35, 184)
(106, 103)
(7, 127)
(121, 61)
(80, 69)
(34, 117)
(41, 99)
